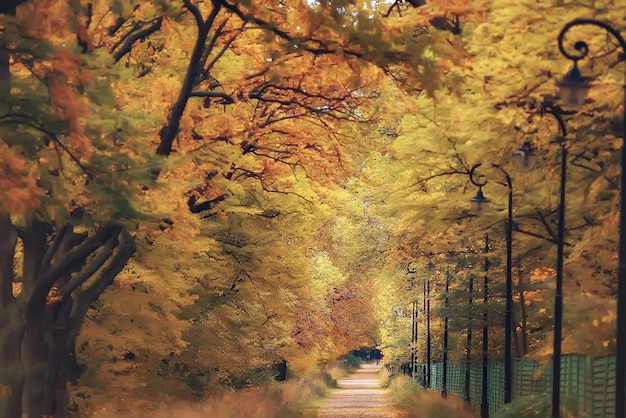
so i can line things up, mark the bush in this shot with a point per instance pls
(350, 361)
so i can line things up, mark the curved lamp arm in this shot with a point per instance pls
(478, 183)
(473, 179)
(581, 46)
(556, 112)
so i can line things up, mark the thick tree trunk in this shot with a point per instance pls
(38, 329)
(35, 359)
(11, 325)
(11, 371)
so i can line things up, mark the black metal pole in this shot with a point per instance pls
(414, 340)
(508, 357)
(558, 297)
(508, 322)
(444, 380)
(484, 405)
(428, 368)
(468, 347)
(620, 357)
(424, 373)
(412, 345)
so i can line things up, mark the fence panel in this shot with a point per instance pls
(603, 386)
(587, 383)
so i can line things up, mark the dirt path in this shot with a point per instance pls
(359, 396)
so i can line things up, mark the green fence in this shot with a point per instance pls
(587, 383)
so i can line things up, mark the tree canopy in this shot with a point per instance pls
(193, 192)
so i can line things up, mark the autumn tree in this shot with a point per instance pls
(77, 167)
(67, 203)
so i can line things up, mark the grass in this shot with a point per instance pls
(300, 398)
(384, 378)
(417, 402)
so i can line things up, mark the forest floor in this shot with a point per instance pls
(360, 396)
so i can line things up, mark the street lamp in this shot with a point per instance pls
(430, 266)
(558, 297)
(484, 402)
(468, 346)
(478, 202)
(573, 90)
(525, 157)
(414, 323)
(444, 384)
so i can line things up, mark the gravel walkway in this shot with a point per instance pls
(359, 396)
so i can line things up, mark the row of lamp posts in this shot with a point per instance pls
(573, 91)
(426, 371)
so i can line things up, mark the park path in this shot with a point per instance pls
(359, 396)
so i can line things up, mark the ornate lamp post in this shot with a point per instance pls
(484, 402)
(478, 202)
(573, 90)
(414, 323)
(430, 266)
(468, 347)
(444, 382)
(525, 158)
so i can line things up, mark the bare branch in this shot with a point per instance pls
(227, 99)
(139, 35)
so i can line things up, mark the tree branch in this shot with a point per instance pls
(170, 129)
(36, 302)
(142, 34)
(206, 205)
(194, 11)
(84, 298)
(210, 46)
(227, 99)
(247, 17)
(53, 248)
(91, 268)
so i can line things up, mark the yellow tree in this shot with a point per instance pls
(508, 79)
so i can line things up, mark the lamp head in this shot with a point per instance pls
(479, 202)
(573, 89)
(525, 157)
